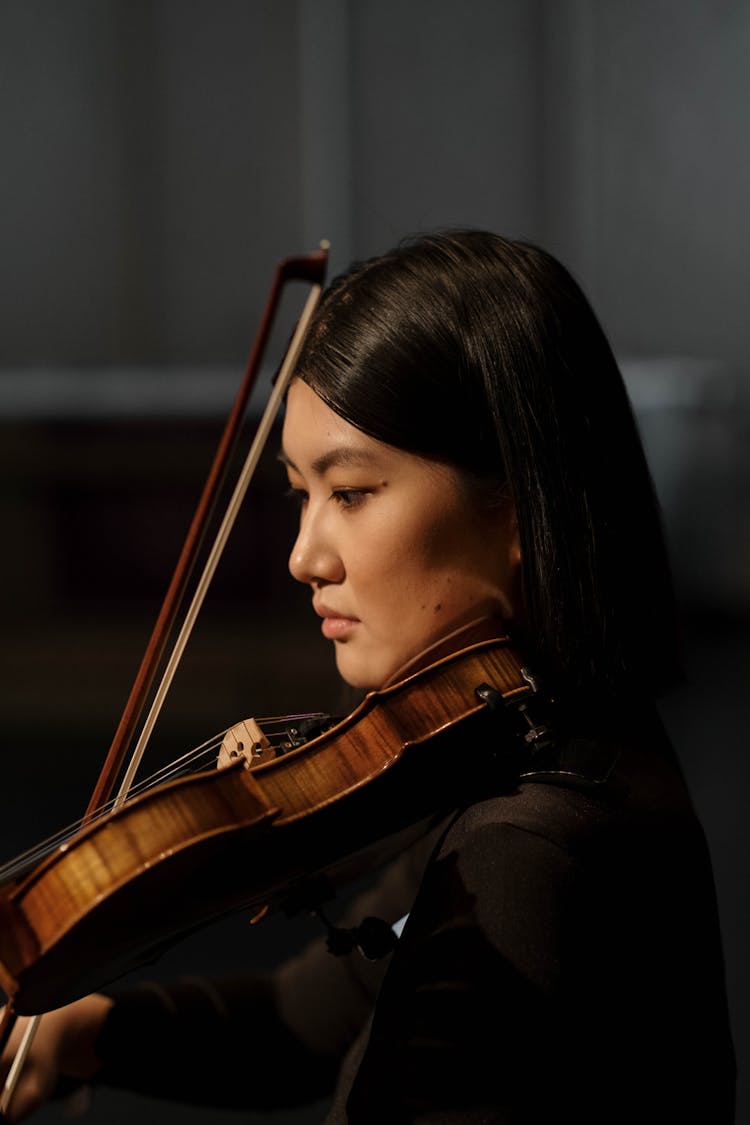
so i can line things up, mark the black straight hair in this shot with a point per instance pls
(485, 353)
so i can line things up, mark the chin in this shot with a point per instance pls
(359, 674)
(360, 681)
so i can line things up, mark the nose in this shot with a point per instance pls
(314, 558)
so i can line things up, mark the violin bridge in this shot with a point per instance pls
(244, 740)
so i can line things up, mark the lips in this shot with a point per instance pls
(335, 626)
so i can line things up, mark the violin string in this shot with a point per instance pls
(275, 728)
(169, 772)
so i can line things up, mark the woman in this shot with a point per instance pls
(462, 448)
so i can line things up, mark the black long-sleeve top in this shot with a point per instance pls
(561, 960)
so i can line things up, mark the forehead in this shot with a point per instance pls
(315, 436)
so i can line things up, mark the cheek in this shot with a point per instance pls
(419, 572)
(392, 571)
(456, 564)
(416, 569)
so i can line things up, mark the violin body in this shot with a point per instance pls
(267, 832)
(104, 901)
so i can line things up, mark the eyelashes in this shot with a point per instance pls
(349, 497)
(346, 498)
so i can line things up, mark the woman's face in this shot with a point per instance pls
(395, 548)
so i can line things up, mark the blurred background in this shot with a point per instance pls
(159, 158)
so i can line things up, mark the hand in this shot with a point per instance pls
(64, 1046)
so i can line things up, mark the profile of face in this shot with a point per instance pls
(397, 549)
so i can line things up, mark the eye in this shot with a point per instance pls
(349, 497)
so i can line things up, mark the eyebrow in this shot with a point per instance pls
(341, 457)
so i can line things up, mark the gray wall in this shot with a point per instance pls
(159, 158)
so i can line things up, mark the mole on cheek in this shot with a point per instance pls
(438, 607)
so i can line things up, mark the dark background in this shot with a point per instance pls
(159, 158)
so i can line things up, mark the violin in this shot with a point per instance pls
(278, 824)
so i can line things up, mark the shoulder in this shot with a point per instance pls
(531, 864)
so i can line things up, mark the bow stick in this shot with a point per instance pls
(310, 268)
